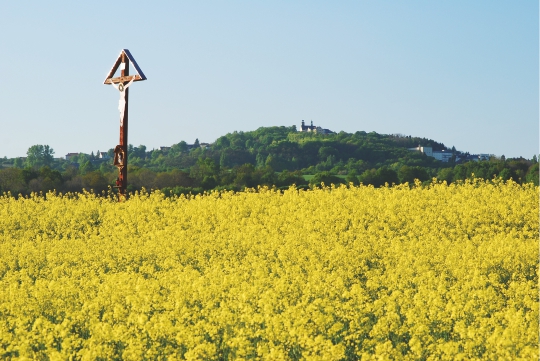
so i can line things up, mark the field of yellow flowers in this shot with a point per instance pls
(349, 273)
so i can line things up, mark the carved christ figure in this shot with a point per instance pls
(122, 102)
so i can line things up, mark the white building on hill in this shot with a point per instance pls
(443, 156)
(426, 150)
(314, 129)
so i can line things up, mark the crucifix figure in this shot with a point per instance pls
(122, 102)
(121, 83)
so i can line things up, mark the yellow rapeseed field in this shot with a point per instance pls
(349, 273)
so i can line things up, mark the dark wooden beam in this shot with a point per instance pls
(114, 68)
(124, 133)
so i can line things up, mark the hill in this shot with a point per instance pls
(273, 156)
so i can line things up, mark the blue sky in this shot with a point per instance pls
(464, 73)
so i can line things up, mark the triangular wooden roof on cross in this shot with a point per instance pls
(139, 77)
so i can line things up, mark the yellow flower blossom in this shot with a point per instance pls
(443, 272)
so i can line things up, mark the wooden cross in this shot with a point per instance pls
(124, 81)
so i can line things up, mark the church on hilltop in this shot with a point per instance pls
(314, 129)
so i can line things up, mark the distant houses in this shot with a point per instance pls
(426, 150)
(71, 155)
(99, 157)
(446, 156)
(189, 147)
(443, 156)
(479, 157)
(103, 155)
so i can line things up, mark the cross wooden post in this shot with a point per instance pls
(122, 172)
(124, 81)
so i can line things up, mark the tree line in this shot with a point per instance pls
(272, 156)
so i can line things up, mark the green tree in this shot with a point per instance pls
(18, 163)
(271, 162)
(50, 179)
(352, 177)
(325, 177)
(209, 182)
(82, 158)
(222, 142)
(94, 181)
(446, 174)
(409, 174)
(86, 167)
(532, 174)
(268, 176)
(203, 168)
(325, 152)
(223, 161)
(387, 175)
(143, 177)
(139, 152)
(39, 155)
(287, 178)
(259, 160)
(177, 149)
(369, 176)
(245, 176)
(379, 177)
(505, 174)
(12, 180)
(106, 167)
(173, 179)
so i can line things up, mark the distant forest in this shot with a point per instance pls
(271, 156)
